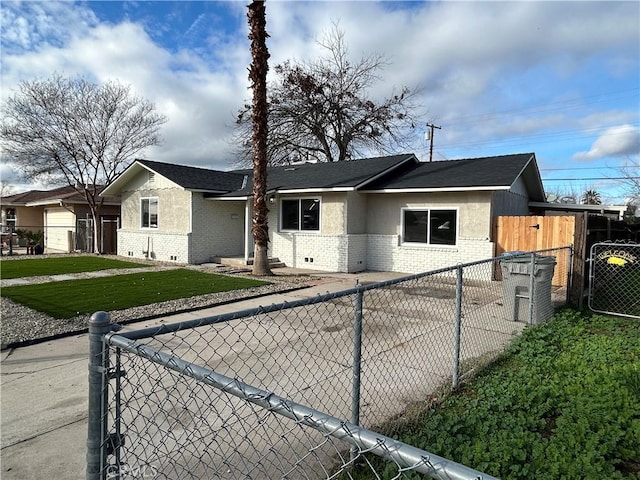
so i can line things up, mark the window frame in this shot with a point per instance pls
(10, 220)
(428, 243)
(299, 200)
(142, 212)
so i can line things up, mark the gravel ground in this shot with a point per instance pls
(20, 324)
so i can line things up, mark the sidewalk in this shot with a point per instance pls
(44, 390)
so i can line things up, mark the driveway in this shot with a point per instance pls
(303, 354)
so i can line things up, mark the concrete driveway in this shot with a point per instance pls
(303, 354)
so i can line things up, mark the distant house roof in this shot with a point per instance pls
(378, 174)
(615, 211)
(66, 194)
(491, 172)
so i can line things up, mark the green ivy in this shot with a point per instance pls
(563, 402)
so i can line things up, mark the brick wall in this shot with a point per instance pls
(384, 253)
(161, 246)
(335, 253)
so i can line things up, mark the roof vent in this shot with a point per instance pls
(152, 178)
(290, 169)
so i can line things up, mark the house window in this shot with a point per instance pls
(429, 226)
(10, 220)
(149, 212)
(300, 214)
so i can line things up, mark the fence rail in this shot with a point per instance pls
(260, 393)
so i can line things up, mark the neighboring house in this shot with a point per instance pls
(387, 213)
(614, 212)
(63, 216)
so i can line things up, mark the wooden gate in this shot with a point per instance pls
(537, 233)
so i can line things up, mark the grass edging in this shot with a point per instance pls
(35, 341)
(70, 298)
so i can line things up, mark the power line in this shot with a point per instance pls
(549, 107)
(574, 168)
(588, 179)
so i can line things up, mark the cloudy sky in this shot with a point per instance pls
(561, 79)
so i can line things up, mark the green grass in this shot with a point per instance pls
(59, 265)
(69, 298)
(564, 402)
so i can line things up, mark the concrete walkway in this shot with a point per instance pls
(44, 390)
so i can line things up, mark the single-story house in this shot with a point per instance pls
(391, 213)
(64, 217)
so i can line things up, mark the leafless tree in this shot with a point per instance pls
(6, 188)
(71, 131)
(258, 77)
(630, 177)
(322, 110)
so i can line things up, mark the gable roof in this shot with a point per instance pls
(394, 173)
(335, 176)
(483, 173)
(194, 178)
(189, 178)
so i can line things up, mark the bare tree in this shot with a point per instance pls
(630, 178)
(69, 130)
(258, 77)
(322, 110)
(6, 188)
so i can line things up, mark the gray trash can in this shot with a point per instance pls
(516, 282)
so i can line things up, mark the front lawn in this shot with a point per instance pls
(564, 402)
(69, 298)
(35, 267)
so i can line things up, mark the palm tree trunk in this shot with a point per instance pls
(258, 78)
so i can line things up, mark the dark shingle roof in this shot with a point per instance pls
(42, 197)
(193, 178)
(499, 171)
(338, 175)
(36, 195)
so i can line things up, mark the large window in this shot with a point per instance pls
(300, 214)
(429, 226)
(149, 212)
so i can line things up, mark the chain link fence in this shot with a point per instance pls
(614, 279)
(298, 390)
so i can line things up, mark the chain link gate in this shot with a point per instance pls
(614, 279)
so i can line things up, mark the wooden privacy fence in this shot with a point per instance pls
(529, 233)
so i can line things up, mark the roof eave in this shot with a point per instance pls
(537, 182)
(439, 189)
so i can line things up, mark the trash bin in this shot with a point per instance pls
(516, 283)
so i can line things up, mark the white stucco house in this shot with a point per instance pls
(391, 213)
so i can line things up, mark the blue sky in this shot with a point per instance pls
(561, 79)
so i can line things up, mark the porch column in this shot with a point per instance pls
(247, 229)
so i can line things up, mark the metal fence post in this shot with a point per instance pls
(458, 328)
(357, 359)
(357, 363)
(99, 326)
(532, 280)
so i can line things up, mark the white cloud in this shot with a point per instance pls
(473, 59)
(614, 142)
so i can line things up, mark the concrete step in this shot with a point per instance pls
(239, 262)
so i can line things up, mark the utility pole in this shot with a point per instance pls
(429, 135)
